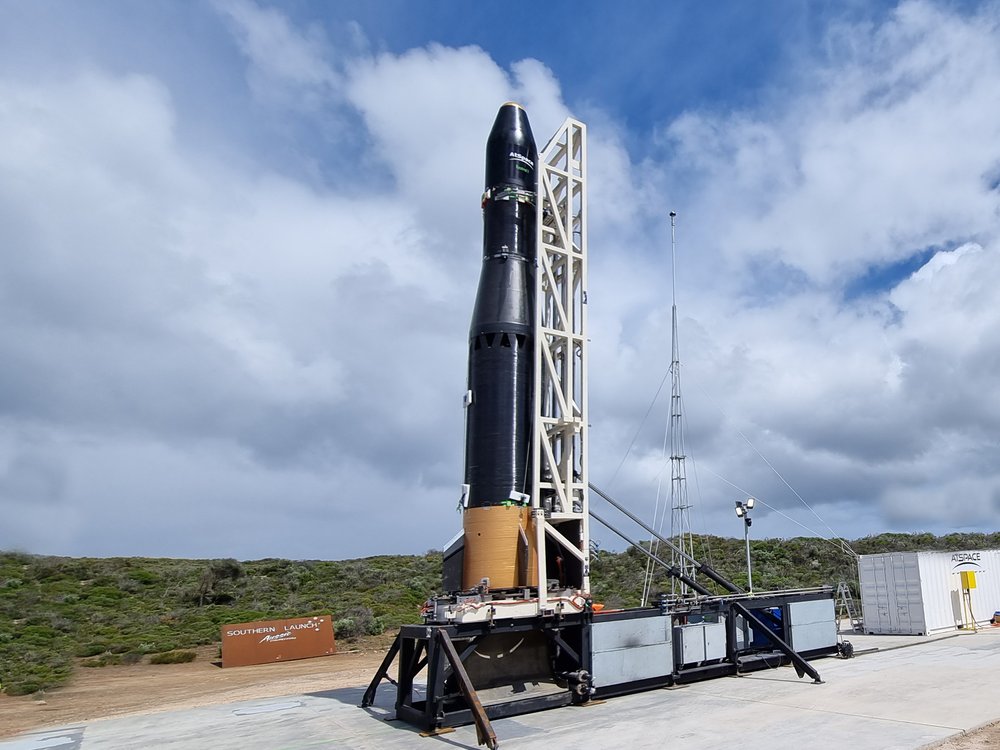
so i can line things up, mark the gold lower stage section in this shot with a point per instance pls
(500, 546)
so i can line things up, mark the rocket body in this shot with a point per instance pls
(501, 361)
(501, 337)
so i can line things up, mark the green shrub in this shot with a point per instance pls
(156, 648)
(144, 577)
(24, 670)
(173, 657)
(36, 635)
(103, 660)
(358, 621)
(92, 648)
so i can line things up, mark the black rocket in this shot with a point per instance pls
(501, 338)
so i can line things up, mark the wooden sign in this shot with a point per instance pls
(268, 641)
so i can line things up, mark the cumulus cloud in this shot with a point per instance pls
(285, 62)
(884, 151)
(880, 151)
(209, 355)
(185, 322)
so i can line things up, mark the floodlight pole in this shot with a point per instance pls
(746, 539)
(743, 512)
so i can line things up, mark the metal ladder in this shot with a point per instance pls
(846, 606)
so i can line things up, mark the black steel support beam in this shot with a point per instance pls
(557, 638)
(671, 569)
(473, 645)
(382, 673)
(801, 665)
(701, 567)
(731, 638)
(484, 730)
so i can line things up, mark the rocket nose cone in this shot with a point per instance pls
(511, 143)
(512, 125)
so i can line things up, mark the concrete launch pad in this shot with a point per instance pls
(910, 693)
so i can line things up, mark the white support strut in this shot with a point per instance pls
(559, 491)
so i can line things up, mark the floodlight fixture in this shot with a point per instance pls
(743, 512)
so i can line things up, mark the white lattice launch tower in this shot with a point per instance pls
(559, 491)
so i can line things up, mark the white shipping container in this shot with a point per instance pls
(917, 593)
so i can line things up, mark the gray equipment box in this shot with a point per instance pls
(812, 624)
(629, 650)
(699, 642)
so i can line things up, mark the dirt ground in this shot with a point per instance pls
(106, 692)
(986, 738)
(145, 688)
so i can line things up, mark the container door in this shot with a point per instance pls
(887, 589)
(875, 593)
(901, 599)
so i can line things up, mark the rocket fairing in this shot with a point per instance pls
(501, 363)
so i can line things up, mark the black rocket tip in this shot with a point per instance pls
(511, 125)
(510, 149)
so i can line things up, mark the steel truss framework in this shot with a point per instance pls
(559, 493)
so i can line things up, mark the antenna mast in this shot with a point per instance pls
(682, 543)
(680, 517)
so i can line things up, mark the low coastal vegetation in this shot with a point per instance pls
(58, 613)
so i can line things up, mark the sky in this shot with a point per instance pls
(240, 243)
